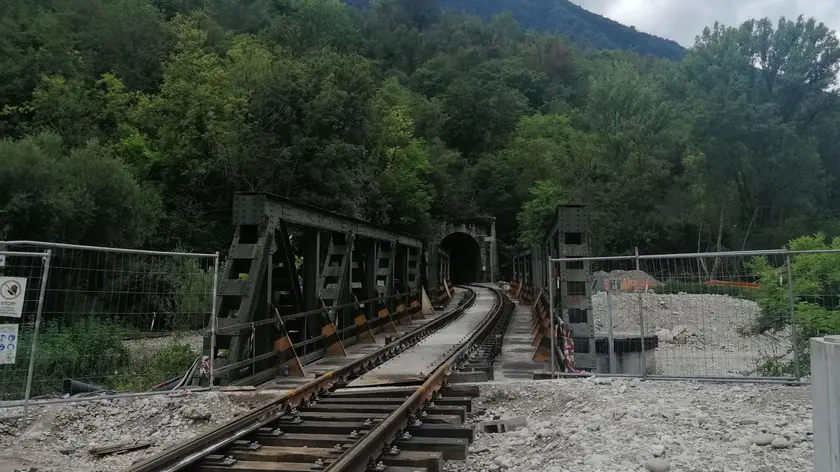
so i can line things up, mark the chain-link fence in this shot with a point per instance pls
(23, 276)
(728, 315)
(117, 320)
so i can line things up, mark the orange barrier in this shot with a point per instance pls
(734, 284)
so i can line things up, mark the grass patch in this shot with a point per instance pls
(90, 350)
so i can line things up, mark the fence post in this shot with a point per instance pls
(213, 319)
(41, 292)
(610, 335)
(825, 378)
(791, 307)
(551, 286)
(641, 316)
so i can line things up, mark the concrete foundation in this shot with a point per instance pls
(825, 391)
(628, 354)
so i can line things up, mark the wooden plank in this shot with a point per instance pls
(448, 410)
(284, 454)
(400, 469)
(118, 448)
(248, 466)
(462, 391)
(355, 408)
(305, 439)
(375, 392)
(427, 430)
(465, 402)
(441, 419)
(432, 461)
(451, 448)
(325, 427)
(339, 416)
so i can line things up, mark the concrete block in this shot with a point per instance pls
(503, 425)
(468, 376)
(825, 392)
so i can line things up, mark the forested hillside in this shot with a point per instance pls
(563, 17)
(133, 122)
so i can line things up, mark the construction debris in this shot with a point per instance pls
(118, 448)
(108, 435)
(614, 425)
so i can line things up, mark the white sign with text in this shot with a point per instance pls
(12, 293)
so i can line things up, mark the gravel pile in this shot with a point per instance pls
(58, 438)
(606, 425)
(699, 334)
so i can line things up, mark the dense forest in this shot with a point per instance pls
(133, 122)
(564, 17)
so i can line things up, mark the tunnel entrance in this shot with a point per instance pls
(466, 258)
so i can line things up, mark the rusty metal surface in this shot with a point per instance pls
(417, 363)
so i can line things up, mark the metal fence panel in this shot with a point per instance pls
(706, 315)
(119, 320)
(22, 277)
(730, 316)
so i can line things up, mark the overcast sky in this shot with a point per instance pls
(682, 20)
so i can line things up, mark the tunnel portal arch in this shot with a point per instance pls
(465, 257)
(463, 251)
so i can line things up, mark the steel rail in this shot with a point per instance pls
(189, 452)
(362, 454)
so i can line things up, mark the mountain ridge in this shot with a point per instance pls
(567, 18)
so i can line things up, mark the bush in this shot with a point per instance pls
(90, 350)
(181, 298)
(171, 361)
(815, 281)
(84, 195)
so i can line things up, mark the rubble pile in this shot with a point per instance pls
(612, 425)
(699, 334)
(60, 437)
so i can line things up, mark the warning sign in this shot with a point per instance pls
(12, 292)
(8, 343)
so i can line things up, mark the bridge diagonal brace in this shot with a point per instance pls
(335, 285)
(241, 289)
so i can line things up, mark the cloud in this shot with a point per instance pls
(682, 20)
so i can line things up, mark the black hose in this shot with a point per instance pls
(73, 387)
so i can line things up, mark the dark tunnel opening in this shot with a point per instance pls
(465, 267)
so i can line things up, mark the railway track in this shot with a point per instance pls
(390, 411)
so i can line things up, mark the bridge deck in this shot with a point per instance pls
(515, 361)
(418, 362)
(354, 352)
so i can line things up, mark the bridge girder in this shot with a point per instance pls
(297, 273)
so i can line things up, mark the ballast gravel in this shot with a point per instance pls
(618, 425)
(59, 437)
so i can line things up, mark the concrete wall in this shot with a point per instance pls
(825, 391)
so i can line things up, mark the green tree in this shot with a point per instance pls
(84, 195)
(480, 115)
(194, 130)
(315, 25)
(538, 212)
(401, 158)
(77, 112)
(815, 278)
